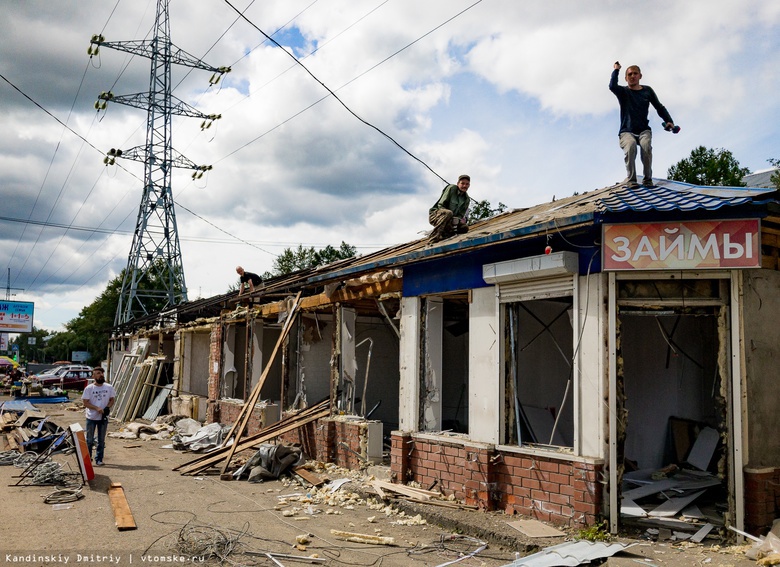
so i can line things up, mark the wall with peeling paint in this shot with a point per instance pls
(761, 311)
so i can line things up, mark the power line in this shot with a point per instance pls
(334, 95)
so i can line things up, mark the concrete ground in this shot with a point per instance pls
(197, 519)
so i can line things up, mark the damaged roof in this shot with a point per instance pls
(589, 208)
(569, 214)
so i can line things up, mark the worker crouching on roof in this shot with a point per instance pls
(449, 216)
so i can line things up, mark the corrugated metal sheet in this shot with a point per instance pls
(570, 554)
(676, 196)
(761, 178)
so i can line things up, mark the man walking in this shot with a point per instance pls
(98, 398)
(635, 101)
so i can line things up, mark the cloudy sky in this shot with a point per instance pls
(513, 92)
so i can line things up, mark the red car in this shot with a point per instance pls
(67, 380)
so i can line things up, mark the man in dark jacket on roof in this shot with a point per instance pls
(449, 215)
(635, 101)
(247, 279)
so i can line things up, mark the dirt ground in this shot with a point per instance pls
(198, 519)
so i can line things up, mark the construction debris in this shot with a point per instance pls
(363, 538)
(122, 514)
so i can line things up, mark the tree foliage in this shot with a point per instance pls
(776, 175)
(484, 210)
(302, 258)
(709, 167)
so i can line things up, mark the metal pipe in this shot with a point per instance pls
(368, 366)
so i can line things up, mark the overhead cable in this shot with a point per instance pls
(335, 96)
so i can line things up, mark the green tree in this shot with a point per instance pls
(776, 175)
(303, 258)
(90, 330)
(483, 210)
(709, 167)
(31, 352)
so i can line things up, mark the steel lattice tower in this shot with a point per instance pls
(154, 277)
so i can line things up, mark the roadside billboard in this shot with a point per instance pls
(16, 316)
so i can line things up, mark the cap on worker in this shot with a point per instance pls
(464, 176)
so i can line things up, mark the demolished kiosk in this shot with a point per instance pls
(547, 363)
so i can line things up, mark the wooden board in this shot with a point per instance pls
(309, 476)
(122, 514)
(410, 491)
(535, 528)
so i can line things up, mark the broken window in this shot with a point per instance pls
(194, 363)
(673, 341)
(446, 364)
(539, 345)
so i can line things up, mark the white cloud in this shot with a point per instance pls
(514, 93)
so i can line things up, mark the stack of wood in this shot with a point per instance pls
(414, 494)
(224, 453)
(234, 440)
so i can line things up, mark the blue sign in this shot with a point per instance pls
(16, 316)
(14, 347)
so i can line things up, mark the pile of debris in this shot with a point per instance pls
(25, 428)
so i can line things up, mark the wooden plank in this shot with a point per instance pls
(247, 443)
(363, 538)
(279, 428)
(440, 503)
(246, 411)
(308, 476)
(390, 486)
(374, 289)
(535, 528)
(379, 490)
(409, 491)
(122, 514)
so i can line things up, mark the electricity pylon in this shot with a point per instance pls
(154, 277)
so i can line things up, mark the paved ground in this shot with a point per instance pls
(186, 517)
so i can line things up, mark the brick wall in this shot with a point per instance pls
(762, 499)
(559, 491)
(230, 410)
(332, 440)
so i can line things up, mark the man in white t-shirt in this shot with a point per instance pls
(98, 399)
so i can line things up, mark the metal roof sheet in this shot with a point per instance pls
(676, 196)
(761, 178)
(553, 216)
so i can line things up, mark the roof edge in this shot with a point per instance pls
(429, 253)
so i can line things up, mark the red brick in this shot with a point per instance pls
(560, 499)
(531, 483)
(560, 478)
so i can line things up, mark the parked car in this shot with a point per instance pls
(73, 377)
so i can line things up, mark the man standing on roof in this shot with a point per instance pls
(449, 215)
(635, 101)
(247, 278)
